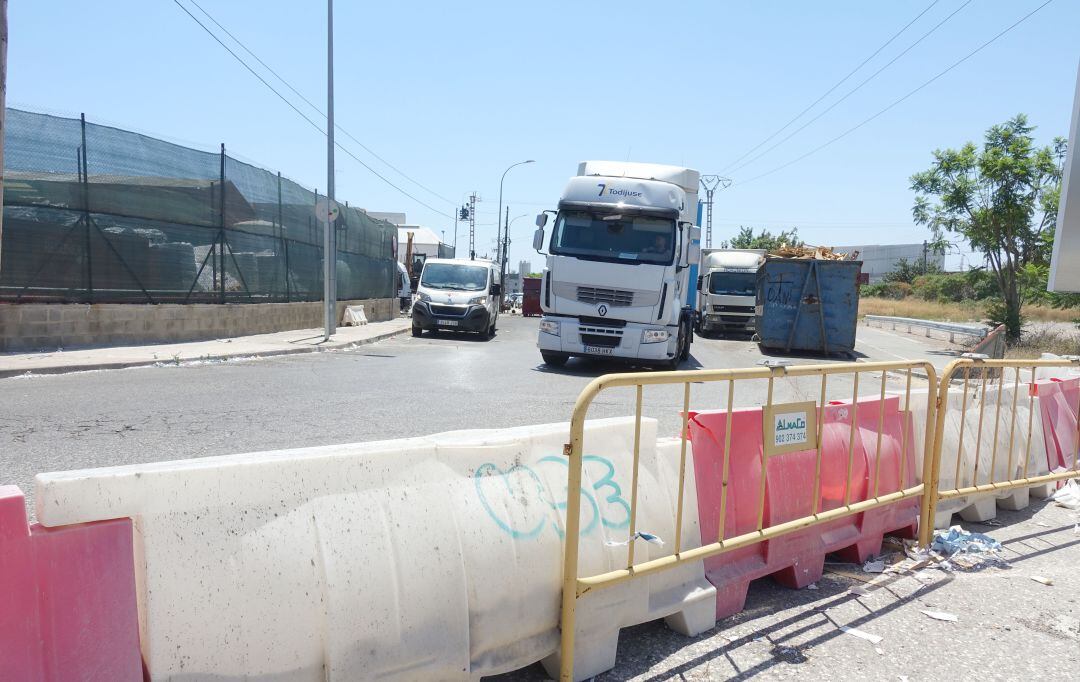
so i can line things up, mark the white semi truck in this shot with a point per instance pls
(727, 286)
(615, 283)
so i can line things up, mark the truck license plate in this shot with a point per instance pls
(448, 323)
(599, 350)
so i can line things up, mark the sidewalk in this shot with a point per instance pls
(260, 345)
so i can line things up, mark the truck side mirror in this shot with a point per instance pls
(700, 281)
(538, 236)
(693, 248)
(496, 289)
(541, 219)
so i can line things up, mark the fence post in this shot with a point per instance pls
(86, 214)
(221, 225)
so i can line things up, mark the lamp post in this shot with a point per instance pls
(502, 270)
(330, 237)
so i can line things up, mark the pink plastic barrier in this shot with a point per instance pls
(1059, 400)
(797, 559)
(68, 599)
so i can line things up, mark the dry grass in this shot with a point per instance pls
(968, 311)
(1041, 340)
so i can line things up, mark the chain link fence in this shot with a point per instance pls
(95, 214)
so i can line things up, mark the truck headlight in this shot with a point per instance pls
(424, 297)
(478, 300)
(549, 327)
(654, 335)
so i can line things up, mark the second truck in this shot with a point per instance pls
(617, 269)
(727, 286)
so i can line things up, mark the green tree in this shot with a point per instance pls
(907, 271)
(746, 239)
(1002, 199)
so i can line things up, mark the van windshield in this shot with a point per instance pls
(454, 276)
(640, 239)
(733, 283)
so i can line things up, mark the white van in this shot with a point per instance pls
(457, 294)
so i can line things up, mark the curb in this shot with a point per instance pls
(88, 367)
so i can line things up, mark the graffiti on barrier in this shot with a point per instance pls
(520, 504)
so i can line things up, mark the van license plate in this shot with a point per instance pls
(599, 350)
(448, 323)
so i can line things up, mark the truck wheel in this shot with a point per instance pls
(554, 359)
(681, 348)
(417, 331)
(687, 340)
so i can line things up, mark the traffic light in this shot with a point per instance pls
(464, 213)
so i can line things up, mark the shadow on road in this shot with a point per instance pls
(594, 367)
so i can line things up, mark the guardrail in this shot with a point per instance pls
(812, 420)
(953, 328)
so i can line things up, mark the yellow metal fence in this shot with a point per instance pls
(575, 587)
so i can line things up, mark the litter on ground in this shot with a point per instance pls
(854, 632)
(942, 615)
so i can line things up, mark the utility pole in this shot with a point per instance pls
(710, 183)
(330, 239)
(473, 198)
(924, 246)
(505, 244)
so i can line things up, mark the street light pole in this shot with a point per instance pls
(330, 239)
(502, 276)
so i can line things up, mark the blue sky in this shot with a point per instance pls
(453, 93)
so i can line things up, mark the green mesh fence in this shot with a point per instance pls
(97, 214)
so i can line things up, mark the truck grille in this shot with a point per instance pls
(748, 309)
(603, 340)
(613, 297)
(447, 310)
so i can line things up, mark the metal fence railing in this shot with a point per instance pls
(953, 329)
(843, 505)
(97, 214)
(992, 435)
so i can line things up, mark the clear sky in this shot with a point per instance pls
(453, 93)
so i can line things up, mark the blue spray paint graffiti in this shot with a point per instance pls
(524, 484)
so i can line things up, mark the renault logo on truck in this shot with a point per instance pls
(601, 310)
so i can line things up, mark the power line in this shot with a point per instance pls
(317, 109)
(303, 115)
(856, 88)
(834, 87)
(902, 99)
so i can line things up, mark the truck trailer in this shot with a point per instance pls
(726, 290)
(615, 281)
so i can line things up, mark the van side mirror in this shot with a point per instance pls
(541, 219)
(538, 236)
(496, 289)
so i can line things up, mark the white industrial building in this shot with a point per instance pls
(881, 259)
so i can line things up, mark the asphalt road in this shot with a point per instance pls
(401, 387)
(1009, 626)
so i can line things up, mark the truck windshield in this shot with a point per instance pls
(454, 276)
(640, 239)
(733, 283)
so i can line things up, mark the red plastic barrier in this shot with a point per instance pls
(68, 599)
(1058, 401)
(797, 559)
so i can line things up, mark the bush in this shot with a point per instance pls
(891, 290)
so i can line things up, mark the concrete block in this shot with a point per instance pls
(34, 313)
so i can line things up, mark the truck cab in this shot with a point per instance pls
(727, 288)
(617, 265)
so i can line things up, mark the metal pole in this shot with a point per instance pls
(284, 239)
(86, 214)
(221, 226)
(502, 269)
(330, 241)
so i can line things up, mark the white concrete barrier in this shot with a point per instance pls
(424, 558)
(1000, 430)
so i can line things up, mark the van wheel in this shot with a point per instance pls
(554, 359)
(417, 331)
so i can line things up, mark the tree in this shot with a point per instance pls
(906, 271)
(746, 239)
(1002, 199)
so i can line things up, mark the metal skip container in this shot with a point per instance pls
(808, 304)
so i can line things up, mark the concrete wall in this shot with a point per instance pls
(46, 327)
